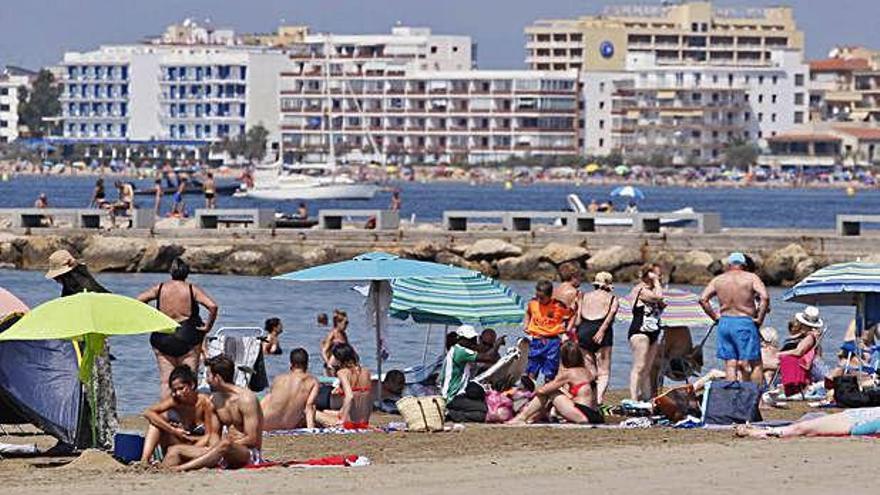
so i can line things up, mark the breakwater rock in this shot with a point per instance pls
(505, 257)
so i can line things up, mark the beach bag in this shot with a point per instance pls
(678, 403)
(651, 319)
(726, 403)
(423, 413)
(847, 393)
(499, 407)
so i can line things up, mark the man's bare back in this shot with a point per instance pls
(737, 292)
(290, 402)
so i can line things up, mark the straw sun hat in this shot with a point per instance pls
(810, 317)
(60, 262)
(603, 280)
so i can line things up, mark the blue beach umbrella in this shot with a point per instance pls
(379, 269)
(627, 192)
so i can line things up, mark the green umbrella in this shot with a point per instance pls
(89, 313)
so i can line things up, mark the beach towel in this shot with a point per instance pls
(390, 427)
(324, 462)
(245, 352)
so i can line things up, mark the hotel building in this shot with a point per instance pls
(688, 33)
(413, 97)
(690, 113)
(9, 87)
(845, 87)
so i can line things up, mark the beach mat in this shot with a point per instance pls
(296, 432)
(321, 462)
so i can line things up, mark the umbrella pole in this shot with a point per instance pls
(375, 287)
(427, 341)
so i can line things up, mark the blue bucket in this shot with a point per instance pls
(127, 447)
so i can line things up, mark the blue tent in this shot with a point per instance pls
(39, 385)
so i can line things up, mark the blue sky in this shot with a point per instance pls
(34, 33)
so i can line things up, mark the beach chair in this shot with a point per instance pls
(794, 373)
(679, 359)
(244, 345)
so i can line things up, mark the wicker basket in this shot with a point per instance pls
(423, 413)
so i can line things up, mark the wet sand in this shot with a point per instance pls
(492, 459)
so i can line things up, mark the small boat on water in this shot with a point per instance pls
(576, 205)
(306, 182)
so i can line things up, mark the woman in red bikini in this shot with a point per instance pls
(355, 389)
(572, 392)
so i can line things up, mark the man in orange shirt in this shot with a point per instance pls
(544, 323)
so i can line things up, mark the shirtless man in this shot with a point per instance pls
(185, 418)
(240, 415)
(568, 292)
(290, 402)
(739, 343)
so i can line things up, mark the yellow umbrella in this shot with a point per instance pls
(593, 167)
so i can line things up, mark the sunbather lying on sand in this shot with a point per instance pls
(572, 393)
(863, 421)
(186, 417)
(290, 402)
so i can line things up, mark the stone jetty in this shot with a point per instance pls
(783, 257)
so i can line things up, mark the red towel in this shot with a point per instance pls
(338, 460)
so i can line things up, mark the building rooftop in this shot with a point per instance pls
(839, 65)
(860, 133)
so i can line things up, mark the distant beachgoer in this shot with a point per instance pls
(644, 331)
(74, 278)
(338, 335)
(302, 212)
(180, 301)
(178, 208)
(593, 207)
(99, 195)
(457, 365)
(240, 416)
(632, 208)
(544, 323)
(853, 422)
(595, 329)
(210, 190)
(356, 389)
(577, 403)
(396, 202)
(322, 320)
(290, 402)
(158, 192)
(186, 417)
(738, 340)
(42, 202)
(273, 329)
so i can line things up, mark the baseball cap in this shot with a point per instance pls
(466, 332)
(736, 259)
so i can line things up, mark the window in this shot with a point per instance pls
(799, 80)
(601, 142)
(773, 117)
(4, 91)
(601, 87)
(773, 99)
(4, 123)
(601, 105)
(454, 49)
(601, 124)
(798, 98)
(760, 98)
(433, 49)
(760, 117)
(799, 117)
(775, 79)
(4, 108)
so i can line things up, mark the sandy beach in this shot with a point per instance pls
(491, 459)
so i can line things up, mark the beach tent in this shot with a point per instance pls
(39, 384)
(379, 269)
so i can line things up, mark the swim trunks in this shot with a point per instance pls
(543, 357)
(738, 339)
(865, 420)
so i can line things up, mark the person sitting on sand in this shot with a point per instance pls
(240, 415)
(769, 352)
(595, 329)
(456, 370)
(544, 323)
(273, 329)
(336, 336)
(744, 302)
(570, 393)
(488, 350)
(290, 402)
(854, 422)
(392, 387)
(356, 389)
(186, 417)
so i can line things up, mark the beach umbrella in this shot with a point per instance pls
(466, 299)
(682, 310)
(621, 170)
(379, 269)
(592, 168)
(9, 304)
(89, 313)
(627, 192)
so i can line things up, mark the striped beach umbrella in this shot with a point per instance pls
(843, 284)
(682, 310)
(472, 299)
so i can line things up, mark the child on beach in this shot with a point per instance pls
(544, 323)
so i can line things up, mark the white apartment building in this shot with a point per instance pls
(9, 85)
(192, 87)
(691, 113)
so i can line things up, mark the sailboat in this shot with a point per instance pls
(309, 181)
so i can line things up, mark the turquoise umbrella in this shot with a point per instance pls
(380, 269)
(473, 298)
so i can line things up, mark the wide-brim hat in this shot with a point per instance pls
(466, 332)
(810, 317)
(603, 279)
(60, 262)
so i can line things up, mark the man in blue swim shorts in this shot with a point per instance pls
(743, 303)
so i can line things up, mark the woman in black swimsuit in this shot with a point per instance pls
(595, 329)
(179, 300)
(644, 331)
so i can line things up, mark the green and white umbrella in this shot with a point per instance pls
(466, 299)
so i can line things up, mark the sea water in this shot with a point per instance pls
(248, 301)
